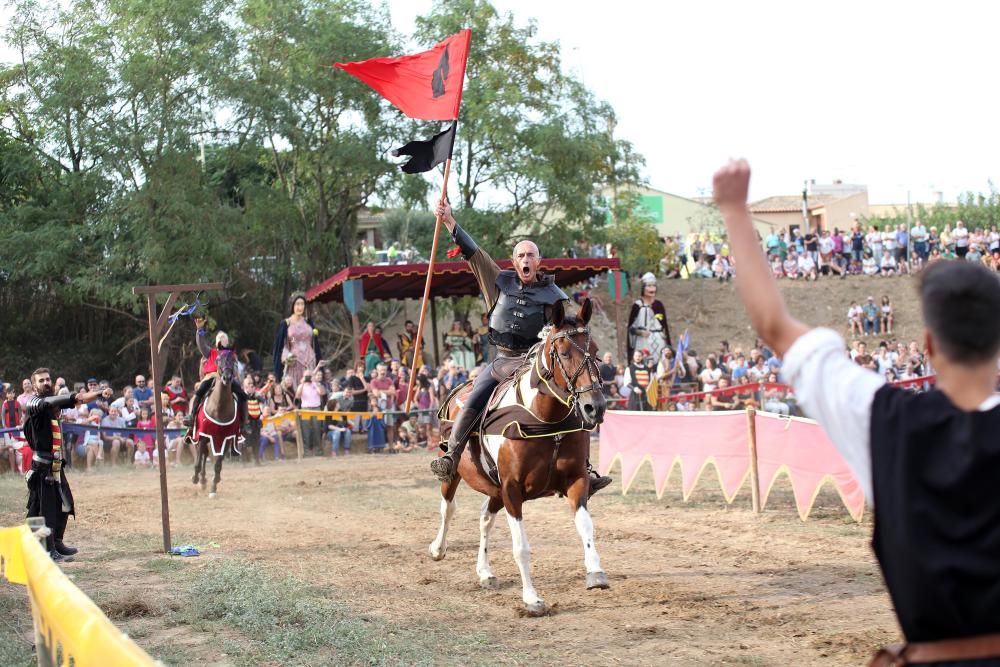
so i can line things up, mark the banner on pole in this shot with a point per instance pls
(354, 296)
(618, 285)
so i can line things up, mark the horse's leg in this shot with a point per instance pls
(218, 472)
(522, 551)
(197, 461)
(203, 464)
(487, 518)
(577, 495)
(439, 547)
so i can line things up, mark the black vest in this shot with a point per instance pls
(519, 313)
(935, 472)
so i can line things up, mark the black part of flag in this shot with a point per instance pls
(425, 155)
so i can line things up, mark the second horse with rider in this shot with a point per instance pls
(516, 300)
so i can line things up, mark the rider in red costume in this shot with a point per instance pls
(209, 371)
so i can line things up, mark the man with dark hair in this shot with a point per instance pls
(49, 494)
(927, 462)
(517, 300)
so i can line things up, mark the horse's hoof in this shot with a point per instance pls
(488, 583)
(436, 555)
(597, 580)
(536, 608)
(213, 494)
(194, 480)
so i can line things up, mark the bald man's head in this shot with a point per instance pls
(526, 260)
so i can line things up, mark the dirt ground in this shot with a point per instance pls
(697, 583)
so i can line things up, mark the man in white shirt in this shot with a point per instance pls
(930, 460)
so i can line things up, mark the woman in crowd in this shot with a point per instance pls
(775, 397)
(874, 239)
(885, 316)
(459, 345)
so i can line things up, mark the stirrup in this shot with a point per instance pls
(442, 467)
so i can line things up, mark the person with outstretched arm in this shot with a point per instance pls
(928, 462)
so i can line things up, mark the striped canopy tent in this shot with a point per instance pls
(406, 281)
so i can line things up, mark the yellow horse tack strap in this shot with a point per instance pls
(65, 618)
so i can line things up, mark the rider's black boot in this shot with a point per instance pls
(445, 466)
(597, 482)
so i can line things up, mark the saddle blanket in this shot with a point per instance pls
(218, 434)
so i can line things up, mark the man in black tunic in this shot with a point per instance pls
(516, 300)
(929, 462)
(49, 494)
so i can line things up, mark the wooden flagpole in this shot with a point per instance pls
(427, 291)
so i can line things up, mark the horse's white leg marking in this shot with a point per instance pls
(522, 556)
(585, 526)
(486, 520)
(439, 546)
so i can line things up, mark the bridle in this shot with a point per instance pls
(572, 393)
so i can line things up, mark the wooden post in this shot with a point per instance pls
(356, 329)
(157, 323)
(300, 448)
(427, 292)
(752, 444)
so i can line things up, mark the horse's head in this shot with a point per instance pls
(226, 362)
(572, 358)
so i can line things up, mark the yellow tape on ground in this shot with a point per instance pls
(65, 618)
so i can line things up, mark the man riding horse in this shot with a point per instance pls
(516, 300)
(209, 371)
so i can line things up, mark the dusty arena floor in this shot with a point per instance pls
(325, 562)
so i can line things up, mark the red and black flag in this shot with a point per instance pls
(426, 85)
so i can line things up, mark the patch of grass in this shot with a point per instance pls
(284, 619)
(165, 565)
(128, 605)
(15, 626)
(172, 654)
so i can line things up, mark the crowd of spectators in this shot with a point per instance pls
(884, 250)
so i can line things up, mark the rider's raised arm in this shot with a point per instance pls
(201, 338)
(483, 267)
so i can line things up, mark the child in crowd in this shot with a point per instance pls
(854, 319)
(375, 426)
(339, 432)
(142, 458)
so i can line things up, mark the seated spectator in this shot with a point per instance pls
(974, 254)
(409, 435)
(88, 446)
(176, 398)
(615, 400)
(722, 400)
(791, 266)
(702, 269)
(888, 264)
(807, 267)
(759, 371)
(855, 268)
(854, 315)
(885, 316)
(776, 266)
(339, 433)
(711, 375)
(115, 438)
(142, 458)
(869, 265)
(722, 268)
(176, 444)
(774, 397)
(746, 396)
(146, 421)
(870, 316)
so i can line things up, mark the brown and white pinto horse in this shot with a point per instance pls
(216, 424)
(562, 384)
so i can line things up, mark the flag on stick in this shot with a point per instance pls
(425, 155)
(426, 85)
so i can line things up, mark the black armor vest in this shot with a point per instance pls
(519, 313)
